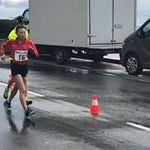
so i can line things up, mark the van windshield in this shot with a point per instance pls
(26, 17)
(146, 30)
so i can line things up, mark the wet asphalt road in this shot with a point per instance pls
(62, 98)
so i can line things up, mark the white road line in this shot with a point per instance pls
(3, 84)
(36, 94)
(138, 126)
(30, 92)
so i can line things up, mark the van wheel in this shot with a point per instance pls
(61, 56)
(133, 65)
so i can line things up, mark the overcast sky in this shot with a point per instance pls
(13, 8)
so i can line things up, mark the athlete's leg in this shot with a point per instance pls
(15, 90)
(13, 93)
(28, 101)
(6, 92)
(7, 103)
(22, 90)
(26, 85)
(10, 82)
(29, 112)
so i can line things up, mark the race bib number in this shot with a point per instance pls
(21, 55)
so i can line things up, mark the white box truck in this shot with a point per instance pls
(87, 29)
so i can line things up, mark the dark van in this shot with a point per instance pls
(135, 54)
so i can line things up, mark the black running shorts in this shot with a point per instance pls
(19, 69)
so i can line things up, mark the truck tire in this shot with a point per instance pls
(133, 64)
(97, 59)
(61, 56)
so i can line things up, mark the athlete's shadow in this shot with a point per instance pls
(25, 125)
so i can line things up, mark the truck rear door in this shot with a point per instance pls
(124, 19)
(111, 21)
(100, 21)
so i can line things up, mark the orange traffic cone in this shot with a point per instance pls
(13, 84)
(94, 110)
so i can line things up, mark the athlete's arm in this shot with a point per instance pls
(33, 48)
(3, 47)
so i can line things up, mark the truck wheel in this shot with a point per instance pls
(97, 59)
(133, 65)
(60, 56)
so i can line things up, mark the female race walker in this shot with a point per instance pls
(13, 35)
(19, 49)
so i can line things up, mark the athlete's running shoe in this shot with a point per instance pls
(28, 101)
(7, 107)
(29, 112)
(6, 93)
